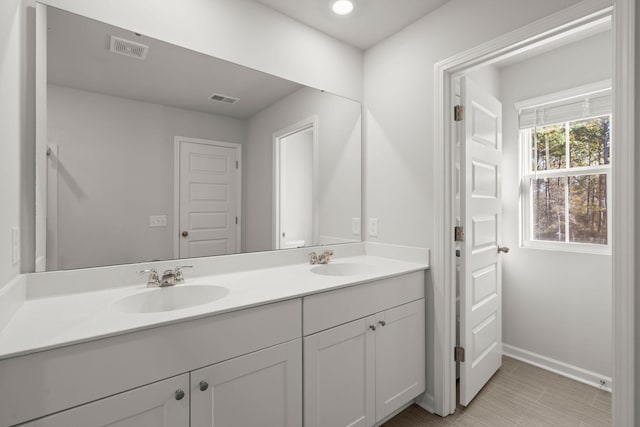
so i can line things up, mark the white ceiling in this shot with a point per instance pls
(371, 21)
(78, 57)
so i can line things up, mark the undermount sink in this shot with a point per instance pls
(169, 298)
(341, 269)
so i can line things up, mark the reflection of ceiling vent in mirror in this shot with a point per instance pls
(128, 48)
(223, 98)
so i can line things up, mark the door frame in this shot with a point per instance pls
(53, 164)
(308, 123)
(443, 266)
(176, 188)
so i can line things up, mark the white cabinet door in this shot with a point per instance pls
(259, 389)
(165, 403)
(339, 365)
(400, 360)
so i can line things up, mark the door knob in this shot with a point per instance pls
(504, 249)
(185, 233)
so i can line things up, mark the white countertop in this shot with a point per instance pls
(56, 321)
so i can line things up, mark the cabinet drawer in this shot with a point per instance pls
(329, 309)
(39, 384)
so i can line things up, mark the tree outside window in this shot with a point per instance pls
(569, 164)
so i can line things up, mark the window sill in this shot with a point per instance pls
(567, 247)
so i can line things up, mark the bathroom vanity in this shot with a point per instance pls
(286, 346)
(252, 339)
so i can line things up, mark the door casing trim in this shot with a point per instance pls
(443, 266)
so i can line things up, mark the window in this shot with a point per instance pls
(566, 150)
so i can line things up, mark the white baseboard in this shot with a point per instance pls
(575, 373)
(425, 401)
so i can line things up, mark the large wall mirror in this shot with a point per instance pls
(157, 152)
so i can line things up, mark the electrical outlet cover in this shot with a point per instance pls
(158, 221)
(373, 227)
(356, 228)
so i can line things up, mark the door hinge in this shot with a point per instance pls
(237, 164)
(458, 354)
(458, 233)
(458, 113)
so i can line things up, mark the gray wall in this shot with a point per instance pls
(12, 128)
(115, 169)
(555, 304)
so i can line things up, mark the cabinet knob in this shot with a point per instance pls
(204, 385)
(372, 327)
(179, 394)
(382, 323)
(185, 233)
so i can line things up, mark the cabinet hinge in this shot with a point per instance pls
(236, 220)
(458, 233)
(458, 113)
(237, 164)
(458, 354)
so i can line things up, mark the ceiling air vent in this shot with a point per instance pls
(223, 98)
(128, 48)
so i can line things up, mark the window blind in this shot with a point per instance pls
(575, 108)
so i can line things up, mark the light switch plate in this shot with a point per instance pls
(15, 245)
(373, 227)
(356, 228)
(158, 221)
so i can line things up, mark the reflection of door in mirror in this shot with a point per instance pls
(295, 193)
(208, 203)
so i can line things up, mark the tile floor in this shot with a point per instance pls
(522, 395)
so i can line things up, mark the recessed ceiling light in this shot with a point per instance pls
(342, 7)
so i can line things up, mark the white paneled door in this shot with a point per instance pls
(209, 197)
(481, 275)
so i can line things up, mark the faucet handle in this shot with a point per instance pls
(153, 279)
(178, 273)
(313, 258)
(325, 256)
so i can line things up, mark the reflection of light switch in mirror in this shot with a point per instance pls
(355, 226)
(158, 221)
(373, 227)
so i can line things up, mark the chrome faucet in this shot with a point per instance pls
(153, 280)
(323, 258)
(179, 275)
(313, 258)
(169, 277)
